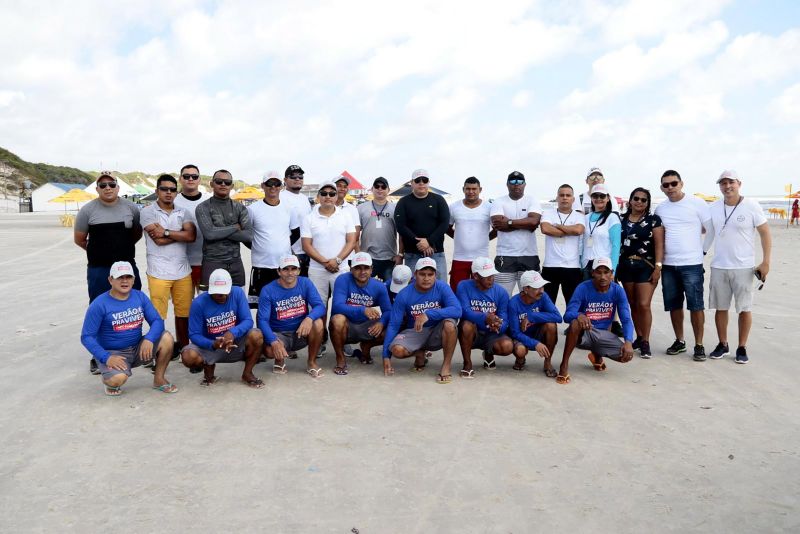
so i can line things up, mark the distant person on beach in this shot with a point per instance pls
(221, 331)
(225, 225)
(685, 218)
(590, 313)
(515, 217)
(736, 221)
(563, 228)
(583, 202)
(107, 228)
(168, 229)
(293, 185)
(189, 198)
(533, 322)
(795, 212)
(471, 229)
(378, 230)
(422, 218)
(112, 333)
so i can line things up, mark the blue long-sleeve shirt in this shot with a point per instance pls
(540, 311)
(282, 310)
(476, 304)
(209, 320)
(438, 303)
(112, 324)
(599, 308)
(352, 300)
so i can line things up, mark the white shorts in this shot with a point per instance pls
(731, 283)
(324, 280)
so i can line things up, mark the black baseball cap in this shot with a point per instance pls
(381, 180)
(516, 175)
(293, 168)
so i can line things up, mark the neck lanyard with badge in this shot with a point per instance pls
(590, 241)
(727, 217)
(562, 222)
(629, 228)
(378, 214)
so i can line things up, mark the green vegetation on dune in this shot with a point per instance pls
(41, 173)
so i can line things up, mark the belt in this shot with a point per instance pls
(635, 257)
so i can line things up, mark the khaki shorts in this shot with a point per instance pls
(731, 283)
(428, 338)
(181, 292)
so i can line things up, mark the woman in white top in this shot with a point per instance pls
(601, 236)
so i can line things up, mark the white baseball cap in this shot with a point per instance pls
(599, 188)
(532, 279)
(602, 262)
(422, 263)
(401, 276)
(729, 174)
(271, 175)
(121, 268)
(289, 261)
(418, 173)
(594, 170)
(219, 283)
(361, 258)
(327, 183)
(483, 267)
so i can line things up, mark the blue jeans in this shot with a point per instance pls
(677, 280)
(441, 263)
(97, 280)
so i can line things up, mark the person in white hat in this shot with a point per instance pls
(291, 314)
(736, 221)
(359, 313)
(424, 317)
(532, 319)
(112, 333)
(221, 331)
(602, 230)
(583, 202)
(400, 279)
(590, 313)
(484, 319)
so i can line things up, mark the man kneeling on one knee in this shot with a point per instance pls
(590, 312)
(484, 319)
(533, 318)
(221, 331)
(112, 333)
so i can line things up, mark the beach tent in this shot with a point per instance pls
(42, 195)
(406, 189)
(249, 192)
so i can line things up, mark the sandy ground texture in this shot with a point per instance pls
(661, 445)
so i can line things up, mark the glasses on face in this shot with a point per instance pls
(516, 182)
(103, 185)
(380, 186)
(168, 189)
(639, 199)
(595, 178)
(223, 182)
(300, 177)
(421, 180)
(667, 185)
(272, 184)
(600, 196)
(327, 194)
(190, 176)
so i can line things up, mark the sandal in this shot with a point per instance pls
(341, 371)
(167, 388)
(315, 373)
(292, 355)
(519, 365)
(418, 368)
(279, 369)
(362, 358)
(550, 372)
(489, 364)
(255, 383)
(598, 366)
(205, 382)
(562, 379)
(468, 373)
(113, 391)
(443, 379)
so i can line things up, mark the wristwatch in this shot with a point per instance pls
(338, 260)
(510, 223)
(659, 264)
(166, 233)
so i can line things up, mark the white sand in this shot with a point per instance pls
(665, 445)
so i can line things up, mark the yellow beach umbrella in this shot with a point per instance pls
(73, 195)
(249, 193)
(707, 198)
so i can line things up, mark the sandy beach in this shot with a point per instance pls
(660, 445)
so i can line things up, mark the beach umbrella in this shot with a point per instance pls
(73, 195)
(249, 193)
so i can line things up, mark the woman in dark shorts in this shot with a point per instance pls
(640, 263)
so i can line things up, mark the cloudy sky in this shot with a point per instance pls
(457, 87)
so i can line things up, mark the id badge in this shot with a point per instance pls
(589, 241)
(722, 232)
(378, 223)
(627, 242)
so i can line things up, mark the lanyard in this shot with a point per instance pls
(565, 220)
(378, 213)
(591, 228)
(725, 212)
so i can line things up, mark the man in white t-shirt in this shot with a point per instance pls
(583, 202)
(736, 220)
(562, 228)
(189, 198)
(293, 182)
(275, 228)
(471, 229)
(342, 188)
(515, 217)
(684, 217)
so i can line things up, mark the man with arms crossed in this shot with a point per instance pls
(684, 218)
(423, 318)
(112, 332)
(736, 220)
(562, 228)
(189, 199)
(378, 231)
(533, 318)
(471, 229)
(590, 313)
(484, 318)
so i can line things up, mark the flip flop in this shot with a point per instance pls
(113, 391)
(468, 373)
(279, 369)
(418, 368)
(562, 379)
(489, 364)
(206, 382)
(550, 373)
(314, 373)
(443, 379)
(167, 388)
(255, 383)
(598, 366)
(292, 355)
(519, 366)
(341, 371)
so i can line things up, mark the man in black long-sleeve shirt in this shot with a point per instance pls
(422, 219)
(225, 224)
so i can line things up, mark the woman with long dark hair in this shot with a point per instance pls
(640, 263)
(601, 235)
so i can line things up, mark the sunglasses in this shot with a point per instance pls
(223, 182)
(273, 184)
(421, 180)
(516, 182)
(639, 199)
(600, 196)
(190, 176)
(112, 185)
(327, 193)
(380, 186)
(667, 185)
(168, 189)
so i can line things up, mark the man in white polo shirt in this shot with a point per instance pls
(562, 228)
(515, 217)
(736, 220)
(684, 218)
(471, 229)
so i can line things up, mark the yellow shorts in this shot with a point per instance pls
(180, 290)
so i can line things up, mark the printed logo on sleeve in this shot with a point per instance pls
(599, 311)
(129, 319)
(219, 324)
(290, 308)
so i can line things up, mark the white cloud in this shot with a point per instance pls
(786, 107)
(647, 18)
(521, 99)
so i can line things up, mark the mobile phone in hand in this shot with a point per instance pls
(760, 279)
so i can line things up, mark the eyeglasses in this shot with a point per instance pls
(190, 176)
(327, 194)
(168, 189)
(223, 182)
(421, 180)
(380, 186)
(639, 199)
(600, 196)
(272, 184)
(596, 178)
(103, 185)
(667, 185)
(295, 177)
(516, 182)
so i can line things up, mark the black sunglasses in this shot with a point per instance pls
(421, 180)
(168, 189)
(328, 193)
(380, 186)
(639, 199)
(223, 182)
(103, 185)
(190, 176)
(272, 184)
(599, 195)
(667, 185)
(516, 182)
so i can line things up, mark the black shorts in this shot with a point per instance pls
(636, 271)
(259, 277)
(234, 267)
(515, 264)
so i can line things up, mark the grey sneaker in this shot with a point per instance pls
(741, 355)
(677, 347)
(720, 351)
(699, 353)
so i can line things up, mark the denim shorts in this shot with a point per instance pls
(680, 280)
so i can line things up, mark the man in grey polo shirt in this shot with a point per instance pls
(378, 231)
